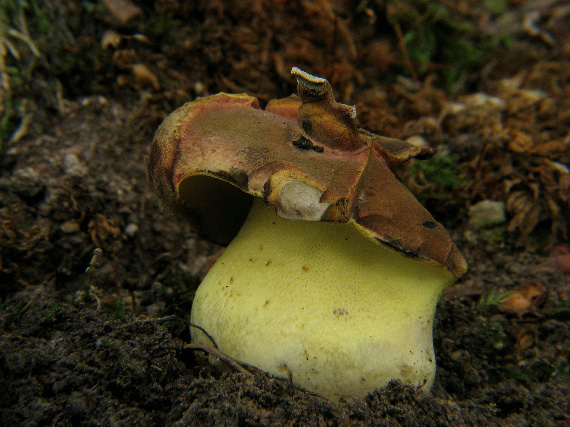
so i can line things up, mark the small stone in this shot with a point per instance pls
(73, 166)
(499, 345)
(199, 88)
(69, 227)
(457, 355)
(454, 108)
(144, 77)
(122, 10)
(111, 39)
(131, 230)
(484, 100)
(487, 213)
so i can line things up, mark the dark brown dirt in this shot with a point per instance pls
(96, 281)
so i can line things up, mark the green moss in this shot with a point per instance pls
(437, 38)
(50, 314)
(6, 121)
(539, 371)
(440, 170)
(435, 178)
(491, 299)
(560, 312)
(119, 312)
(161, 28)
(494, 236)
(496, 7)
(39, 17)
(91, 65)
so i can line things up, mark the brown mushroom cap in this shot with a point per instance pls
(319, 167)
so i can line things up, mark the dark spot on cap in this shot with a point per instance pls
(318, 149)
(307, 125)
(430, 224)
(304, 143)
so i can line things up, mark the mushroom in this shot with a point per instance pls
(333, 268)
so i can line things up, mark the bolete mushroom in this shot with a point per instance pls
(333, 268)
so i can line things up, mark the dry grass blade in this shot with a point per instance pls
(222, 356)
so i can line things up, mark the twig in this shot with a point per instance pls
(222, 356)
(404, 50)
(34, 297)
(194, 346)
(153, 320)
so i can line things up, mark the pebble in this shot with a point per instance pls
(73, 166)
(69, 227)
(131, 229)
(487, 213)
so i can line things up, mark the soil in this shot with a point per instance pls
(96, 279)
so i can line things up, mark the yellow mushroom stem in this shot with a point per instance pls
(321, 304)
